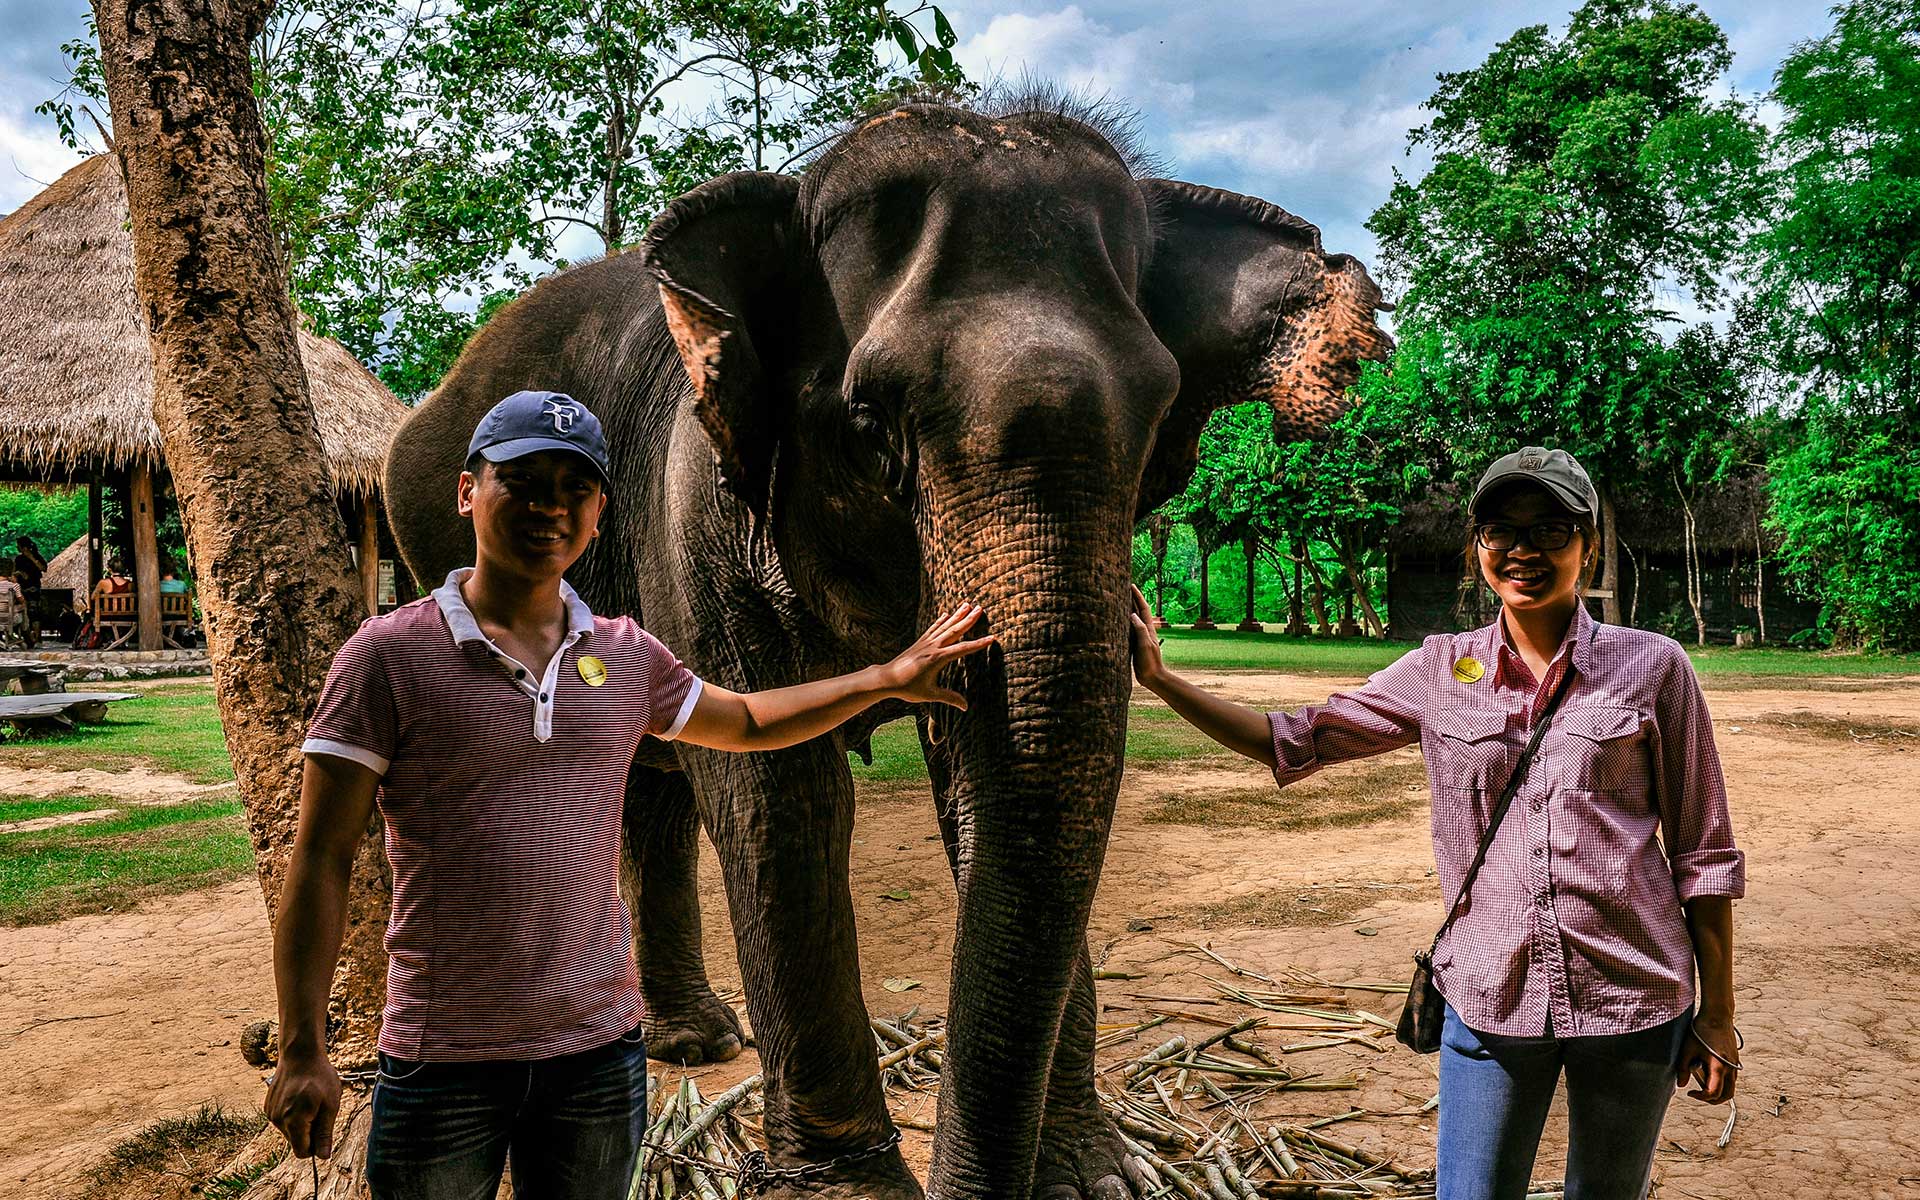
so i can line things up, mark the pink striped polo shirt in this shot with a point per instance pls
(1620, 820)
(501, 788)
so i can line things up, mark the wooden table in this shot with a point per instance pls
(35, 678)
(58, 710)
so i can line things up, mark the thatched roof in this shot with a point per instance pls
(75, 371)
(68, 569)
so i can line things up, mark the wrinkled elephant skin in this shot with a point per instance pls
(953, 361)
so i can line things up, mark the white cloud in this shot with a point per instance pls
(1305, 135)
(1070, 48)
(31, 157)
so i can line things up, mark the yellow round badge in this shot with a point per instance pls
(595, 672)
(1467, 669)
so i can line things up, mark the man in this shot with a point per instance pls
(496, 721)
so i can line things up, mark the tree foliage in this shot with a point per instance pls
(1578, 181)
(1836, 276)
(427, 157)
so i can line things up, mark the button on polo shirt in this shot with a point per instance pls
(501, 797)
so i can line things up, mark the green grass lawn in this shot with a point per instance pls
(112, 862)
(1225, 650)
(171, 728)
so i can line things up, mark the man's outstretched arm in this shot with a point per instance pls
(777, 717)
(336, 805)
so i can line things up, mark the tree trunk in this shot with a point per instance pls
(1319, 592)
(612, 225)
(1206, 603)
(1759, 578)
(1690, 558)
(1249, 546)
(1633, 560)
(1349, 560)
(1159, 534)
(1296, 600)
(237, 428)
(1609, 557)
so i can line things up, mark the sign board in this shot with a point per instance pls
(384, 594)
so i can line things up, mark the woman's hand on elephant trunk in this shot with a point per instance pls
(914, 674)
(1148, 666)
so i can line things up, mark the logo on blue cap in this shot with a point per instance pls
(530, 422)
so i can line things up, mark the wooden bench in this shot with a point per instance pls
(118, 614)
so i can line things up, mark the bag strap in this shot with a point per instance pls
(1514, 781)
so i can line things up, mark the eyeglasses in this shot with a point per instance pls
(1545, 536)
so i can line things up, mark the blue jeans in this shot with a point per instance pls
(1494, 1095)
(443, 1131)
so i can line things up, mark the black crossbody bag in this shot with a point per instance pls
(1420, 1020)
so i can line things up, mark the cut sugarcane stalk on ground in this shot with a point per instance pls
(1194, 1110)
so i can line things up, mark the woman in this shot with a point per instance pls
(1577, 947)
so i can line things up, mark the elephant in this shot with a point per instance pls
(955, 358)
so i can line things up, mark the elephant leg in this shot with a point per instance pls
(1081, 1154)
(782, 823)
(685, 1022)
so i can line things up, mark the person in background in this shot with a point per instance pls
(29, 566)
(1610, 882)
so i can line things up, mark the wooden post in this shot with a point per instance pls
(146, 556)
(370, 553)
(96, 534)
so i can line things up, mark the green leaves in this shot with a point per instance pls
(1836, 287)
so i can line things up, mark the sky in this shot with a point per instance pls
(1305, 105)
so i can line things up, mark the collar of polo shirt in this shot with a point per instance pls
(465, 629)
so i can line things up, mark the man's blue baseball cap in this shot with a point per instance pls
(529, 422)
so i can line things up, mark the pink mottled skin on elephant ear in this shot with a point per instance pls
(697, 333)
(1317, 358)
(700, 334)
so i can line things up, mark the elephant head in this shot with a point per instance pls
(955, 360)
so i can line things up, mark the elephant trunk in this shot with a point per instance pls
(1032, 768)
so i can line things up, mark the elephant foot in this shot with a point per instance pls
(1082, 1158)
(699, 1030)
(883, 1177)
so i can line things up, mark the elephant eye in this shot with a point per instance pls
(875, 446)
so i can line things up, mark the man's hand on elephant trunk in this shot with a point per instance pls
(778, 717)
(914, 675)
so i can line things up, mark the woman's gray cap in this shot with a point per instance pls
(529, 422)
(1555, 470)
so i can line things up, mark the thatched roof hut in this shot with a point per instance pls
(76, 385)
(68, 569)
(76, 380)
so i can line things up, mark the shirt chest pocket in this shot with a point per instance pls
(1469, 749)
(1604, 748)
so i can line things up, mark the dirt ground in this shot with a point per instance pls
(108, 1023)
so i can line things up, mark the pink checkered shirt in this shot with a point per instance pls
(1577, 912)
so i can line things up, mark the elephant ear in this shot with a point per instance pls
(724, 255)
(1252, 308)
